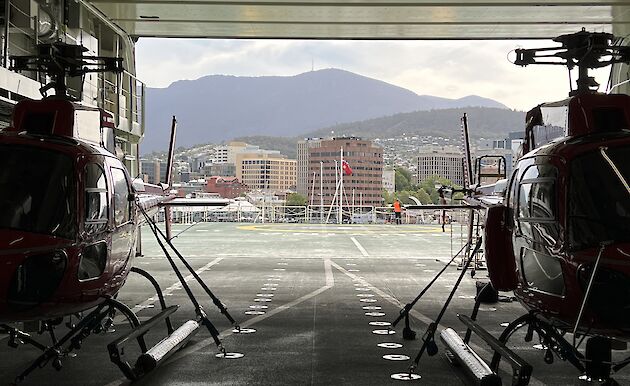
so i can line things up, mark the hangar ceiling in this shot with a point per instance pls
(365, 19)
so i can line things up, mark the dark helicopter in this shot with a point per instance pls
(558, 236)
(69, 224)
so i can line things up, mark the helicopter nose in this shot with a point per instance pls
(36, 279)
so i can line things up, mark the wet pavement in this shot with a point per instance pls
(319, 299)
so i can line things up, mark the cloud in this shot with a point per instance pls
(450, 69)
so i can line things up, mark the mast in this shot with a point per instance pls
(321, 191)
(341, 188)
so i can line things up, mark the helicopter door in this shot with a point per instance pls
(94, 255)
(123, 240)
(537, 230)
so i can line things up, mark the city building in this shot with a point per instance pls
(266, 170)
(389, 181)
(363, 157)
(221, 154)
(507, 147)
(303, 147)
(226, 187)
(441, 161)
(223, 169)
(153, 171)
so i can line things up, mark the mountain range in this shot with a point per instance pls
(218, 108)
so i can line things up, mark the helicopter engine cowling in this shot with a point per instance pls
(498, 250)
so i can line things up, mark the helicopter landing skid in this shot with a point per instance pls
(71, 341)
(153, 357)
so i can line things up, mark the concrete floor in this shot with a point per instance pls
(315, 330)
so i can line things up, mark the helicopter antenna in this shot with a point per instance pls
(58, 60)
(584, 50)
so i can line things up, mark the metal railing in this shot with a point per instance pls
(122, 95)
(315, 214)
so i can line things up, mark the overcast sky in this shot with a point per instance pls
(450, 69)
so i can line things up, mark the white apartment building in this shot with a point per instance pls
(442, 161)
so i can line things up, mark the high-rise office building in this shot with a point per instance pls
(303, 147)
(363, 157)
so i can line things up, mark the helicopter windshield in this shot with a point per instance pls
(37, 191)
(599, 198)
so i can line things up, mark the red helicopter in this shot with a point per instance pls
(559, 235)
(69, 222)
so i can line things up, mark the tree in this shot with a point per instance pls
(388, 198)
(296, 199)
(429, 186)
(402, 179)
(423, 196)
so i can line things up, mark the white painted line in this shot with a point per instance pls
(168, 291)
(361, 249)
(423, 318)
(330, 282)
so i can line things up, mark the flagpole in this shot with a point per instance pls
(336, 188)
(321, 191)
(341, 172)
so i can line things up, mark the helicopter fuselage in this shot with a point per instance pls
(67, 226)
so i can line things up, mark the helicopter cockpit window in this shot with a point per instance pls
(555, 125)
(39, 195)
(599, 198)
(537, 204)
(121, 197)
(96, 205)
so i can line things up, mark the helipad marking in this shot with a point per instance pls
(330, 282)
(169, 290)
(423, 318)
(360, 247)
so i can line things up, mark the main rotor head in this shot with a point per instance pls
(58, 60)
(584, 50)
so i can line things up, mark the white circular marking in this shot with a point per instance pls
(383, 332)
(390, 345)
(380, 324)
(367, 300)
(244, 330)
(406, 376)
(230, 355)
(262, 300)
(374, 314)
(372, 307)
(259, 306)
(254, 312)
(396, 357)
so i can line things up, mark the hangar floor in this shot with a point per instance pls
(317, 281)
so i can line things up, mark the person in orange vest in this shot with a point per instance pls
(398, 212)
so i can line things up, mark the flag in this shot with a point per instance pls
(346, 168)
